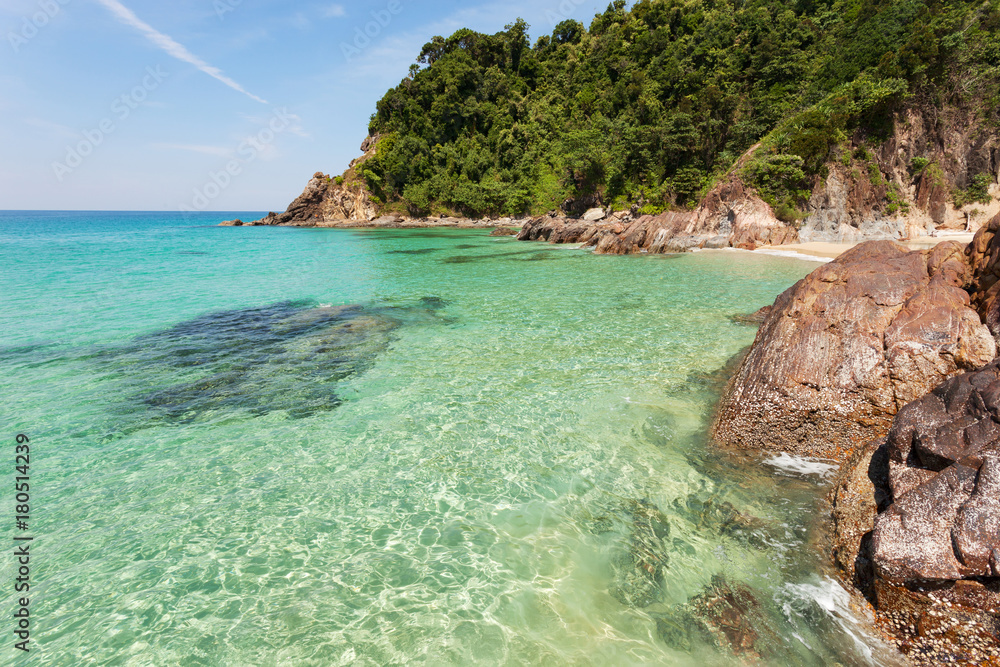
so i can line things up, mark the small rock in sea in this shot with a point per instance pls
(504, 231)
(755, 319)
(232, 223)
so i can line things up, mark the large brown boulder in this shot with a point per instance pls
(984, 257)
(845, 348)
(944, 475)
(917, 523)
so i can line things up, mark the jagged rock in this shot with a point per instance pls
(370, 142)
(944, 473)
(845, 348)
(594, 215)
(324, 201)
(231, 223)
(984, 256)
(731, 214)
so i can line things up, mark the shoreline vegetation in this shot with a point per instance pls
(866, 135)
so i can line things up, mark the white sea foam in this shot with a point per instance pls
(801, 465)
(835, 601)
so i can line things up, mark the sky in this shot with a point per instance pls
(214, 105)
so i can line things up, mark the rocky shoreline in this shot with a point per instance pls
(884, 362)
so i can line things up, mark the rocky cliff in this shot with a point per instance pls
(913, 183)
(937, 171)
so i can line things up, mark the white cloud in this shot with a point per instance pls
(221, 151)
(334, 11)
(165, 42)
(298, 20)
(294, 120)
(52, 128)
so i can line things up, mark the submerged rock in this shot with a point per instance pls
(284, 357)
(639, 572)
(727, 615)
(845, 348)
(755, 318)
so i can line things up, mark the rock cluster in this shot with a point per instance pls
(842, 350)
(917, 523)
(730, 215)
(943, 523)
(883, 360)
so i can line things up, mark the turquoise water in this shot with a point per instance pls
(267, 446)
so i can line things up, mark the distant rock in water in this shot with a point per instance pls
(232, 223)
(845, 348)
(754, 319)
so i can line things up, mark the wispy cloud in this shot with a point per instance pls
(52, 128)
(221, 151)
(334, 11)
(165, 42)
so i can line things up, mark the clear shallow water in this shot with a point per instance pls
(318, 447)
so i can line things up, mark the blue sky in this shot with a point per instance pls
(207, 104)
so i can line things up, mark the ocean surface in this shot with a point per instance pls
(271, 446)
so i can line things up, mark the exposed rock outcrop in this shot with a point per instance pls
(944, 475)
(323, 201)
(984, 257)
(917, 523)
(903, 187)
(731, 215)
(845, 348)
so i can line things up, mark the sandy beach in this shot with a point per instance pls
(832, 250)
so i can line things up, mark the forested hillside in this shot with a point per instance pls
(650, 105)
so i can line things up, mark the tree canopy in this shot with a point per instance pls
(650, 103)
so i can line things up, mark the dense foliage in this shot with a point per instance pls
(651, 103)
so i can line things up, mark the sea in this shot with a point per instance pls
(278, 446)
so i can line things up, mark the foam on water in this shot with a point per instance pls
(802, 465)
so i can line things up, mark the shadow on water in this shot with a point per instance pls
(288, 357)
(418, 251)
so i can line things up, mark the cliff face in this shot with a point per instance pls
(327, 201)
(906, 186)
